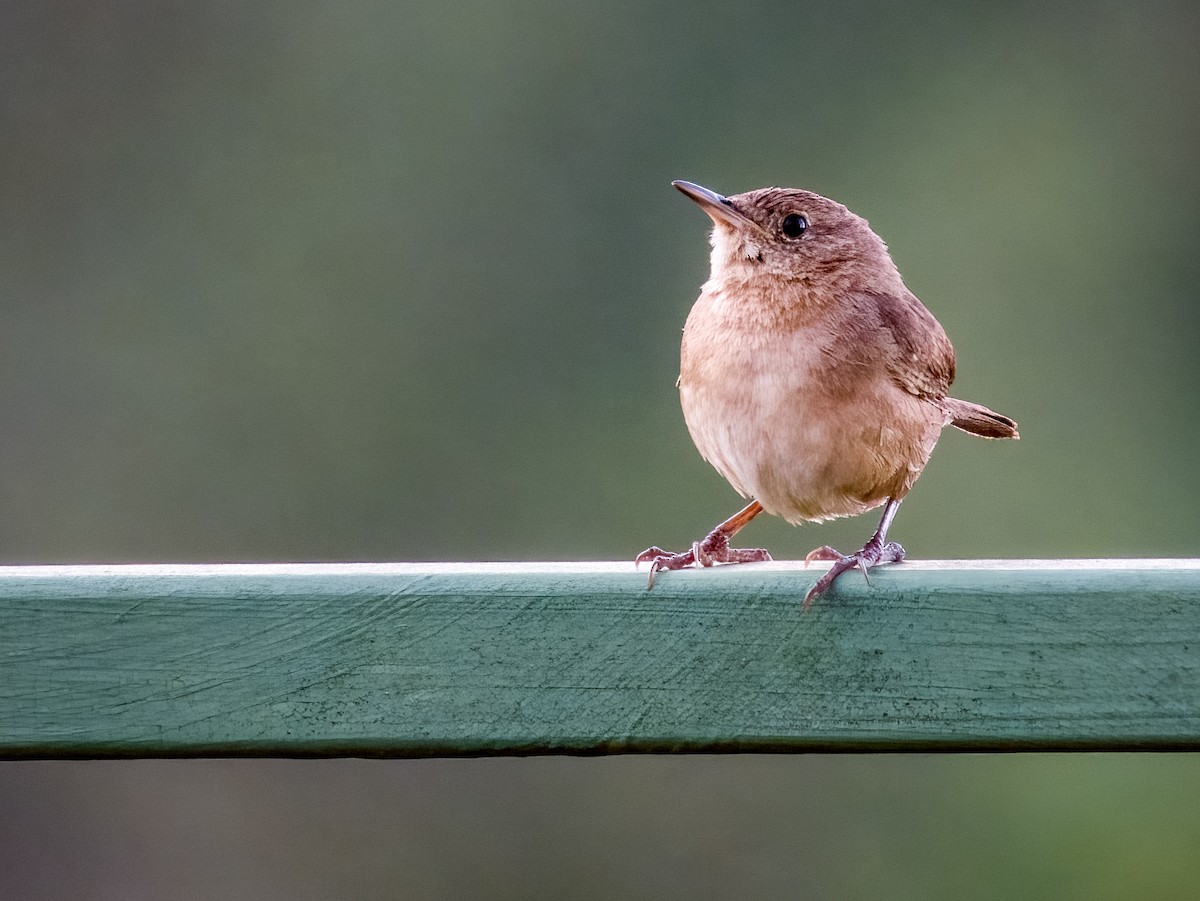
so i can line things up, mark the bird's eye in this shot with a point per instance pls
(793, 225)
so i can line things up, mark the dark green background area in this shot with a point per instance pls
(379, 281)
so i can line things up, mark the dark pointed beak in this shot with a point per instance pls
(717, 206)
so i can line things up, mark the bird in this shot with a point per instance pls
(810, 376)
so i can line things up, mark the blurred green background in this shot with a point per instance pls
(384, 281)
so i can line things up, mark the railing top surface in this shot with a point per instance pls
(597, 567)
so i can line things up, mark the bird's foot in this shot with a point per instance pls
(872, 554)
(713, 549)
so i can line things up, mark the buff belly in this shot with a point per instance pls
(778, 438)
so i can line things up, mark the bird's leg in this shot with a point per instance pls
(714, 548)
(877, 550)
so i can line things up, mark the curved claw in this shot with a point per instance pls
(862, 564)
(822, 553)
(663, 560)
(713, 549)
(872, 554)
(648, 555)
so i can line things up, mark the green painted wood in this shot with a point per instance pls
(465, 659)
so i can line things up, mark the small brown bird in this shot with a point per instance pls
(810, 376)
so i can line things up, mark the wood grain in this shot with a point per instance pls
(472, 659)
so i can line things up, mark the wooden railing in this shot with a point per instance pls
(412, 660)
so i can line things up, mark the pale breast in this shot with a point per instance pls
(791, 420)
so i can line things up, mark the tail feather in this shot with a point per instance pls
(979, 420)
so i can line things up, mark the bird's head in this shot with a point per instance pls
(792, 235)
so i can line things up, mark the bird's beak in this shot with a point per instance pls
(718, 207)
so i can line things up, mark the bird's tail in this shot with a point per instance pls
(979, 420)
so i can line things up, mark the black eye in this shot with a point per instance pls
(793, 225)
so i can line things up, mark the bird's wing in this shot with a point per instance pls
(919, 355)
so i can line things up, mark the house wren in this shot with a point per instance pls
(810, 377)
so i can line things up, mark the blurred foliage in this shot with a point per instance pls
(381, 281)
